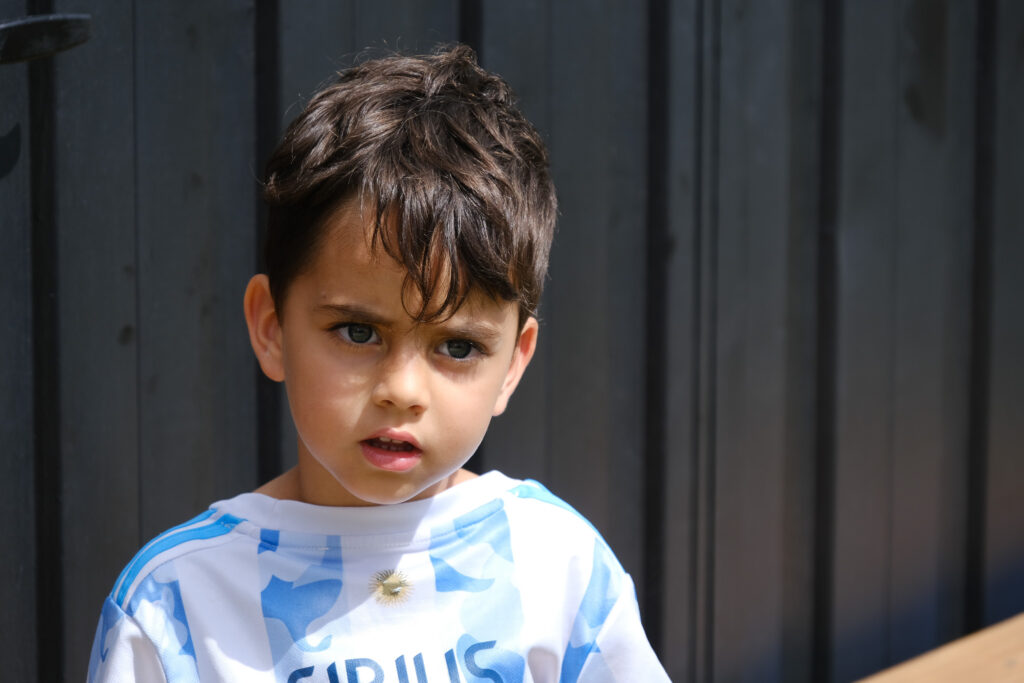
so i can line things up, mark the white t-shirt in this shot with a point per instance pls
(495, 579)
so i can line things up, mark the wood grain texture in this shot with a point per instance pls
(17, 494)
(196, 193)
(94, 180)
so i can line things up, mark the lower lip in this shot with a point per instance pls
(392, 461)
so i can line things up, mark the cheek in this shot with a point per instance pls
(470, 408)
(319, 385)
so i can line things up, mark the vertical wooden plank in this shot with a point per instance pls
(749, 383)
(625, 280)
(594, 305)
(1004, 505)
(17, 499)
(515, 44)
(408, 26)
(706, 254)
(95, 208)
(931, 334)
(684, 186)
(904, 217)
(196, 211)
(316, 40)
(804, 318)
(866, 244)
(765, 336)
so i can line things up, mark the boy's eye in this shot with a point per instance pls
(458, 349)
(358, 333)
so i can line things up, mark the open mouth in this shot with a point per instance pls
(394, 445)
(394, 455)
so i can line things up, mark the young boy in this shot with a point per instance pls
(410, 217)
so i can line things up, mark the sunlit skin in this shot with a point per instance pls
(387, 409)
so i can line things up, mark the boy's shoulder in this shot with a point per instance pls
(530, 509)
(553, 530)
(532, 497)
(205, 531)
(532, 490)
(543, 531)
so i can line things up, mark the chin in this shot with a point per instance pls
(384, 495)
(383, 498)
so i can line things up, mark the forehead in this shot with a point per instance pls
(347, 261)
(347, 239)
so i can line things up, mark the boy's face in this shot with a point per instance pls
(386, 409)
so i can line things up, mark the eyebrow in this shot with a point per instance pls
(472, 329)
(357, 312)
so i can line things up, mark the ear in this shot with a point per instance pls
(526, 344)
(264, 327)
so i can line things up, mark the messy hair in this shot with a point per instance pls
(450, 176)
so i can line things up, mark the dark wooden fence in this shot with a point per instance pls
(781, 358)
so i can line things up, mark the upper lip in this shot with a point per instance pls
(396, 435)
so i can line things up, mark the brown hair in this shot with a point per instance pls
(455, 177)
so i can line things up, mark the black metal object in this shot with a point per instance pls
(41, 36)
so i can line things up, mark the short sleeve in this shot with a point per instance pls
(121, 652)
(622, 652)
(607, 643)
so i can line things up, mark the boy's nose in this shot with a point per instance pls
(402, 383)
